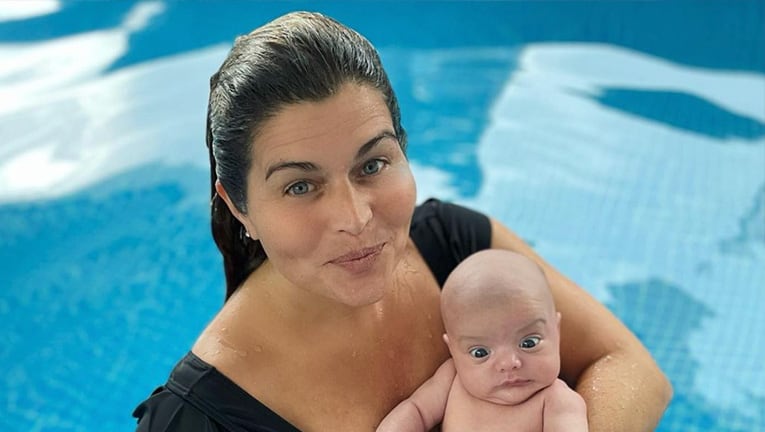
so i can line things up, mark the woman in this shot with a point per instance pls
(332, 312)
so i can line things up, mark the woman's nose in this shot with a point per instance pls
(350, 211)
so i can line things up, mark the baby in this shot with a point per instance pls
(503, 331)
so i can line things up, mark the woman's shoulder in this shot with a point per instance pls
(451, 223)
(199, 398)
(167, 409)
(446, 233)
(228, 338)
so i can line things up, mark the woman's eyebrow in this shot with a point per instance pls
(369, 145)
(310, 166)
(303, 166)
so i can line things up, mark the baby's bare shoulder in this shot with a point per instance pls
(560, 396)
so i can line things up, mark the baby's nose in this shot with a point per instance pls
(508, 361)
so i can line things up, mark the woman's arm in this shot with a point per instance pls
(621, 384)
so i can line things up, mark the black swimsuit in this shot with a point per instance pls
(198, 398)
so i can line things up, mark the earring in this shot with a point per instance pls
(247, 234)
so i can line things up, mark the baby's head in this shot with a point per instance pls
(501, 325)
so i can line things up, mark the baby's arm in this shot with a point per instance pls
(424, 409)
(564, 409)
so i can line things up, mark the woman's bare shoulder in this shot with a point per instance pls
(230, 341)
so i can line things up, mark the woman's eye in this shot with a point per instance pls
(299, 188)
(372, 167)
(530, 342)
(478, 352)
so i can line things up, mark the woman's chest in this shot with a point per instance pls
(350, 378)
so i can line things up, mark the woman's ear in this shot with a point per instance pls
(250, 231)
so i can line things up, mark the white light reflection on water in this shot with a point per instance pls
(65, 124)
(13, 10)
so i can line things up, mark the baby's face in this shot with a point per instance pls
(505, 352)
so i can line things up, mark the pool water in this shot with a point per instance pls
(624, 140)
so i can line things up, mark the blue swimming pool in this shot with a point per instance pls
(624, 140)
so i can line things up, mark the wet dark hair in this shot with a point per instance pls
(295, 58)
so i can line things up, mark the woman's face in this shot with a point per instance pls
(330, 195)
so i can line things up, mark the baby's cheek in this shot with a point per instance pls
(552, 367)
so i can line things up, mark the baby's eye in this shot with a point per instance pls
(530, 342)
(372, 166)
(478, 352)
(299, 188)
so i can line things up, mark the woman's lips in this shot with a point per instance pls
(359, 260)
